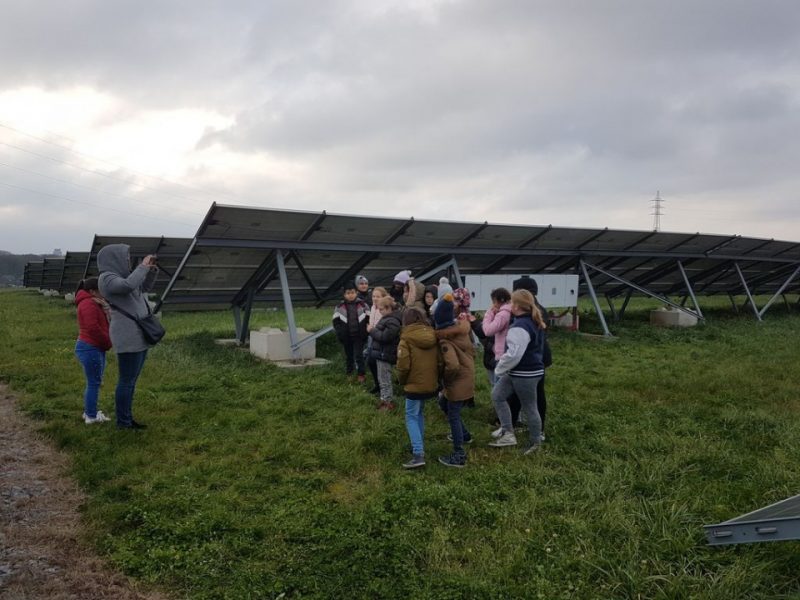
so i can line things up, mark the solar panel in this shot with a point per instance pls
(35, 270)
(52, 270)
(234, 244)
(74, 267)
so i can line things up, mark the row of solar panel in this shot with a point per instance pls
(234, 251)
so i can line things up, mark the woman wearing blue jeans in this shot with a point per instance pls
(126, 291)
(93, 342)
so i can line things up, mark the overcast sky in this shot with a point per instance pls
(131, 117)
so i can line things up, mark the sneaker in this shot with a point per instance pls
(417, 461)
(386, 405)
(467, 440)
(136, 425)
(376, 390)
(453, 461)
(362, 379)
(541, 437)
(497, 433)
(101, 417)
(507, 439)
(90, 420)
(531, 449)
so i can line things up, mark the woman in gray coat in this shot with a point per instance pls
(126, 290)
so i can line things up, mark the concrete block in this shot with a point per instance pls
(670, 317)
(273, 344)
(69, 298)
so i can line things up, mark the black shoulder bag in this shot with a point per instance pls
(152, 329)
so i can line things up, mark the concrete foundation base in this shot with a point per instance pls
(666, 317)
(273, 344)
(301, 364)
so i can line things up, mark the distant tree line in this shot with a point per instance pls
(12, 267)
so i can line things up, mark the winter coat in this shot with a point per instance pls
(416, 296)
(126, 290)
(418, 360)
(496, 323)
(458, 357)
(487, 341)
(341, 324)
(374, 316)
(385, 338)
(92, 321)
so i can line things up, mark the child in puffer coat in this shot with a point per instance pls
(458, 375)
(418, 372)
(385, 337)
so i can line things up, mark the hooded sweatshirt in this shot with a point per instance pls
(92, 321)
(418, 361)
(496, 324)
(125, 290)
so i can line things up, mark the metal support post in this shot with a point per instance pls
(786, 302)
(733, 303)
(594, 299)
(611, 307)
(690, 290)
(244, 329)
(628, 295)
(456, 272)
(237, 321)
(747, 291)
(780, 291)
(287, 302)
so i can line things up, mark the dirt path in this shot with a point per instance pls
(42, 554)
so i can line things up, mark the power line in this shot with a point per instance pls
(100, 173)
(102, 160)
(94, 189)
(59, 197)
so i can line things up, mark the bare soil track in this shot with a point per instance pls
(42, 551)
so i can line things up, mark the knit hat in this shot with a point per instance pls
(463, 297)
(526, 283)
(444, 287)
(361, 279)
(402, 277)
(349, 285)
(444, 313)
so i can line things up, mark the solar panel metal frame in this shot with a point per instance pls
(658, 262)
(776, 522)
(35, 271)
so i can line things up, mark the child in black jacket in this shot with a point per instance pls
(350, 323)
(385, 338)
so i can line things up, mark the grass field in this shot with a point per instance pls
(256, 482)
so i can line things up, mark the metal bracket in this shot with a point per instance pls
(747, 291)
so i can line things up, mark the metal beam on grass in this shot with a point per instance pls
(643, 290)
(690, 290)
(747, 290)
(594, 299)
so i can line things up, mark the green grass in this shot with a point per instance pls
(256, 482)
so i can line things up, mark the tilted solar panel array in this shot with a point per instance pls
(235, 247)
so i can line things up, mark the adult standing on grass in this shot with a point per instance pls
(126, 291)
(92, 345)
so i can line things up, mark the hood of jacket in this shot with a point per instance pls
(419, 335)
(81, 296)
(115, 258)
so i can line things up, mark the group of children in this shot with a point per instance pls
(424, 336)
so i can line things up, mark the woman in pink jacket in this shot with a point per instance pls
(496, 322)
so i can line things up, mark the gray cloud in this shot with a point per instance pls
(572, 112)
